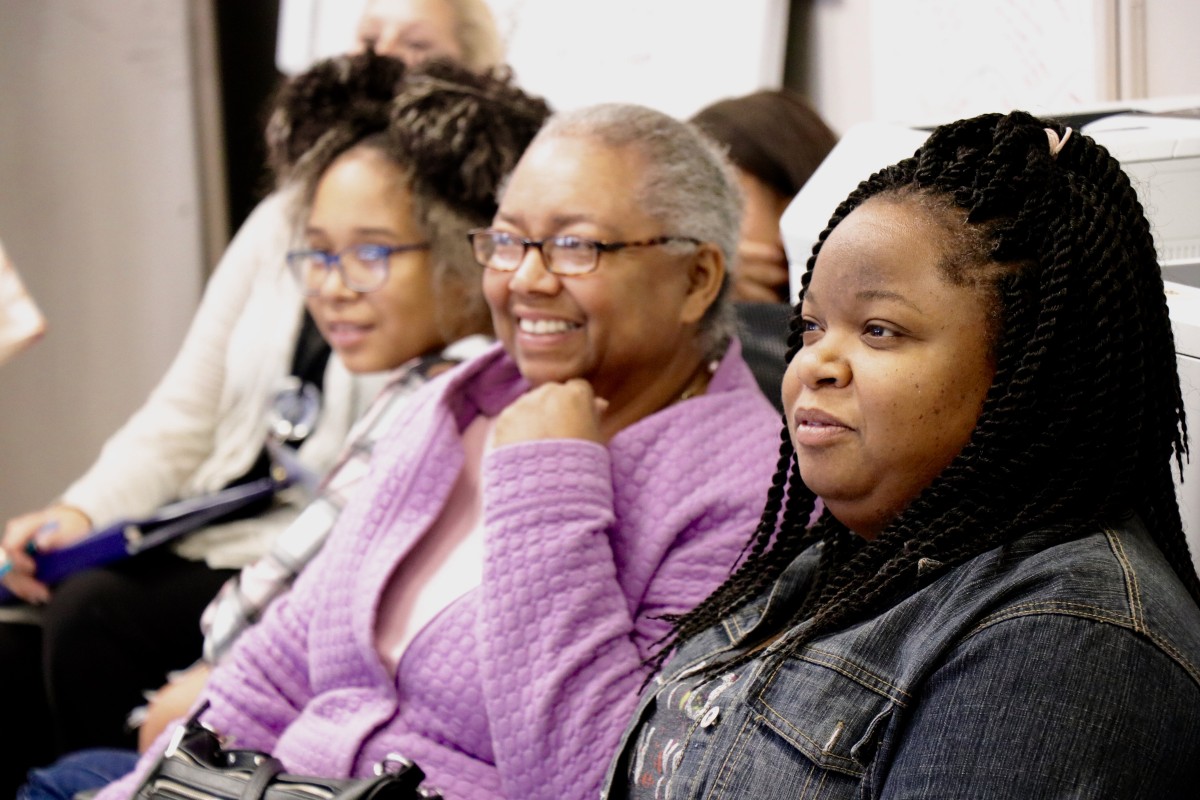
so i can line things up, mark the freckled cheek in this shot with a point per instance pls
(951, 420)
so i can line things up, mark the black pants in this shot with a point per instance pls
(106, 636)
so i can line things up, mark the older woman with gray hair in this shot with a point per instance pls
(489, 601)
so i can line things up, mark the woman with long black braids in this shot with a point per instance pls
(995, 598)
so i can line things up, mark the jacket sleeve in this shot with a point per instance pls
(257, 691)
(145, 463)
(564, 646)
(1008, 715)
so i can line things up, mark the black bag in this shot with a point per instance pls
(196, 767)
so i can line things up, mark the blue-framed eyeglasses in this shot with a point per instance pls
(362, 267)
(562, 255)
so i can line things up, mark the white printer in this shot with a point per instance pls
(1158, 144)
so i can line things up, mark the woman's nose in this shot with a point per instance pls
(332, 285)
(389, 42)
(822, 363)
(532, 276)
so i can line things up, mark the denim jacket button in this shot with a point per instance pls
(710, 716)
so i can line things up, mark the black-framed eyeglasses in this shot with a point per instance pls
(362, 267)
(562, 255)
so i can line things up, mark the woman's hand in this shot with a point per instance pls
(38, 531)
(761, 274)
(171, 702)
(568, 410)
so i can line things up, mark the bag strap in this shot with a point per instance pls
(260, 780)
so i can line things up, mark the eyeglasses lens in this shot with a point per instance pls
(364, 269)
(361, 270)
(563, 256)
(570, 256)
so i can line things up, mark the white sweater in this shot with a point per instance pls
(203, 425)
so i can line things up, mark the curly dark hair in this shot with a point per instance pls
(1084, 356)
(334, 103)
(454, 133)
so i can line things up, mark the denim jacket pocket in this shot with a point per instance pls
(831, 710)
(812, 729)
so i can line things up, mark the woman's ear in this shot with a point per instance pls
(706, 276)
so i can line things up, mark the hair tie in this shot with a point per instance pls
(1056, 144)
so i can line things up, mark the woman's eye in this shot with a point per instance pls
(571, 243)
(879, 331)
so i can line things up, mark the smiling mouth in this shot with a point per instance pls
(545, 327)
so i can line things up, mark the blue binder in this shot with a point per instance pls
(129, 537)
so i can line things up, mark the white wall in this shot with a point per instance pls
(99, 211)
(673, 55)
(937, 60)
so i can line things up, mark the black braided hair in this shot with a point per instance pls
(1084, 356)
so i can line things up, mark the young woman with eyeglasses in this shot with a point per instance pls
(383, 205)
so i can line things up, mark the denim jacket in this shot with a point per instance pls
(1041, 668)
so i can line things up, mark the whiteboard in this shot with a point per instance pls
(936, 60)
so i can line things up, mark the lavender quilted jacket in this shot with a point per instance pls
(522, 687)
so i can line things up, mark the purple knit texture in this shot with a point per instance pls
(521, 688)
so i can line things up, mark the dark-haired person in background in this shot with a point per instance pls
(996, 600)
(776, 140)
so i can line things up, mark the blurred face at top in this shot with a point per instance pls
(630, 327)
(895, 364)
(363, 199)
(761, 272)
(411, 30)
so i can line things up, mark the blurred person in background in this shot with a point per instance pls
(776, 140)
(21, 322)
